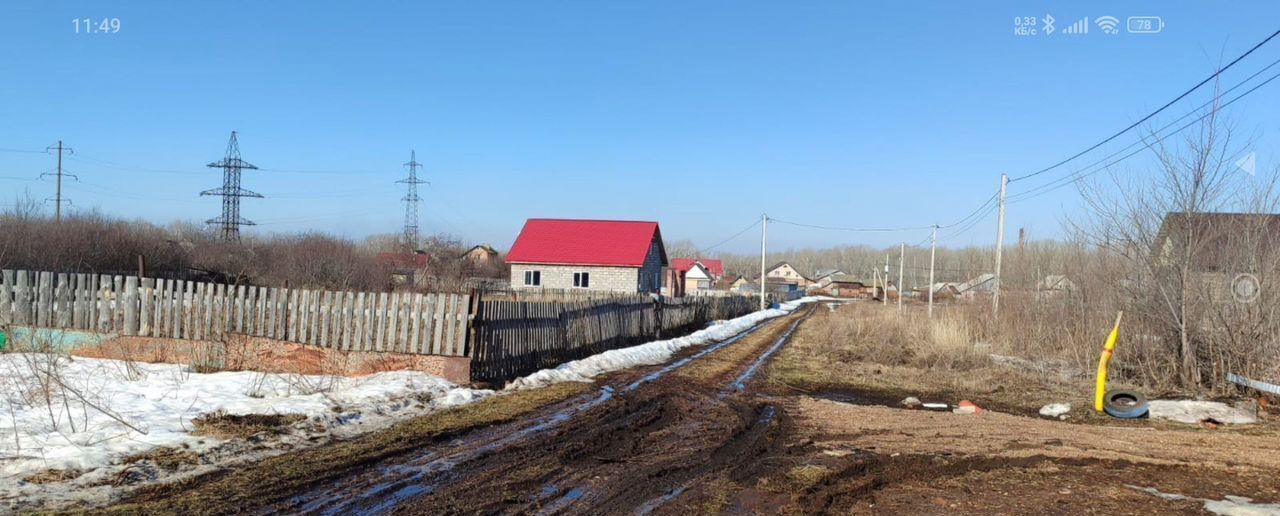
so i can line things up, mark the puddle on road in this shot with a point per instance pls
(740, 383)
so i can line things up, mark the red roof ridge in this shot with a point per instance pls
(619, 243)
(596, 220)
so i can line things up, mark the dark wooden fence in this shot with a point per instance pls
(515, 338)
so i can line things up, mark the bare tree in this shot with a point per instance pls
(1157, 224)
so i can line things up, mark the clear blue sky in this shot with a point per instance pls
(699, 115)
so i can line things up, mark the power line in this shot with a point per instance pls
(23, 151)
(735, 235)
(1081, 174)
(850, 229)
(989, 200)
(1152, 114)
(117, 166)
(970, 225)
(304, 171)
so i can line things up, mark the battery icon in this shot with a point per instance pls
(1145, 24)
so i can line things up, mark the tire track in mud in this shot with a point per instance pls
(633, 453)
(609, 428)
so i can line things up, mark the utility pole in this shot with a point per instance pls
(995, 294)
(933, 253)
(57, 196)
(411, 201)
(885, 281)
(875, 282)
(229, 222)
(902, 256)
(764, 249)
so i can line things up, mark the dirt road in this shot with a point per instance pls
(706, 434)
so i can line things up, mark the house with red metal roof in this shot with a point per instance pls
(692, 274)
(611, 255)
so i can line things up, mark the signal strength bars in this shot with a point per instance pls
(1081, 26)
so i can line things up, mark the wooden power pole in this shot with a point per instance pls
(995, 294)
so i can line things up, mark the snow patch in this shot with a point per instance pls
(1192, 412)
(656, 352)
(91, 413)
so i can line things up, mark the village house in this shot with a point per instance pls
(823, 277)
(482, 254)
(1054, 284)
(602, 255)
(405, 268)
(980, 285)
(784, 273)
(844, 285)
(726, 282)
(690, 274)
(1219, 250)
(741, 284)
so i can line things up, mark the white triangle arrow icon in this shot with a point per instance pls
(1249, 163)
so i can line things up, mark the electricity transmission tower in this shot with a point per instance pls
(411, 201)
(229, 223)
(57, 196)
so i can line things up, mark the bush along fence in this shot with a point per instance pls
(505, 339)
(148, 307)
(514, 338)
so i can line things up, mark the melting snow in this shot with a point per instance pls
(108, 409)
(650, 353)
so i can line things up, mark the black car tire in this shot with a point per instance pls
(1124, 404)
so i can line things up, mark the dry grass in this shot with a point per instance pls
(808, 475)
(870, 349)
(222, 425)
(718, 492)
(53, 476)
(228, 491)
(166, 458)
(734, 356)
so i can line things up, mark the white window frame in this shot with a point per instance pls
(582, 279)
(533, 278)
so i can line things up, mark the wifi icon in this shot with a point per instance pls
(1108, 24)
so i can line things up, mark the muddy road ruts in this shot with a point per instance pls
(625, 445)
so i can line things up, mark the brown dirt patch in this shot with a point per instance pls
(222, 425)
(53, 476)
(889, 430)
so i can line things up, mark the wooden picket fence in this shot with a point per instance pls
(505, 339)
(148, 307)
(515, 338)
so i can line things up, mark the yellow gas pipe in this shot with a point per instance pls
(1101, 389)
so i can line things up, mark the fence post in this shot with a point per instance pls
(473, 323)
(657, 314)
(6, 297)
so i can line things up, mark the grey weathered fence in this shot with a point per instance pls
(513, 338)
(505, 339)
(148, 307)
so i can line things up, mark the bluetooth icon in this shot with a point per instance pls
(1048, 24)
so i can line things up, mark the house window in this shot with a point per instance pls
(532, 278)
(582, 279)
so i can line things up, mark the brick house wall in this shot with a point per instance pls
(647, 278)
(623, 279)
